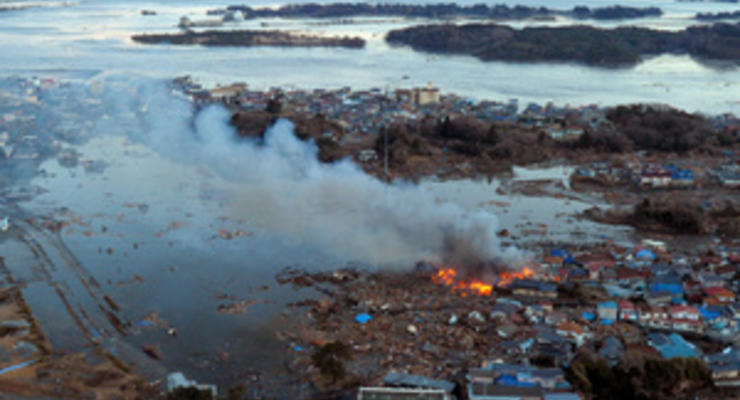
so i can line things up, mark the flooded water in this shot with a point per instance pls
(162, 237)
(165, 238)
(87, 38)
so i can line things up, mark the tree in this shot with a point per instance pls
(329, 359)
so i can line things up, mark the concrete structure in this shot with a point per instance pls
(427, 95)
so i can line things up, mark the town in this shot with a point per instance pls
(541, 332)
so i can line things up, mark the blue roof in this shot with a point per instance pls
(608, 304)
(673, 345)
(645, 253)
(707, 314)
(587, 316)
(558, 253)
(674, 288)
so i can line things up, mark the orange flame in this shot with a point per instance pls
(507, 277)
(448, 277)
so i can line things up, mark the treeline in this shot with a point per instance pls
(593, 46)
(488, 146)
(684, 217)
(641, 127)
(440, 10)
(249, 38)
(638, 377)
(718, 16)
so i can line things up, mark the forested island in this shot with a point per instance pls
(623, 46)
(718, 16)
(247, 38)
(446, 11)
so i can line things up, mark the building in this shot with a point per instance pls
(573, 332)
(228, 94)
(389, 393)
(655, 177)
(725, 367)
(673, 345)
(486, 391)
(627, 311)
(533, 289)
(608, 310)
(426, 95)
(719, 295)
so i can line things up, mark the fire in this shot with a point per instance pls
(448, 277)
(505, 278)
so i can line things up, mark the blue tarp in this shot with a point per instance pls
(674, 288)
(569, 260)
(363, 318)
(587, 316)
(708, 315)
(606, 321)
(646, 254)
(558, 253)
(511, 380)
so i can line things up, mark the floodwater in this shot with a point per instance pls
(87, 38)
(146, 228)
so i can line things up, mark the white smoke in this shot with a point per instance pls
(283, 188)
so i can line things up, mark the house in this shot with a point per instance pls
(386, 393)
(607, 310)
(573, 332)
(504, 374)
(729, 179)
(720, 295)
(655, 317)
(725, 367)
(682, 178)
(655, 177)
(685, 312)
(395, 379)
(654, 298)
(531, 288)
(484, 391)
(627, 311)
(673, 345)
(630, 277)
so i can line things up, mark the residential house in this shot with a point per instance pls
(672, 345)
(608, 310)
(573, 332)
(719, 295)
(725, 367)
(533, 289)
(627, 311)
(390, 393)
(655, 317)
(395, 379)
(484, 391)
(655, 177)
(682, 178)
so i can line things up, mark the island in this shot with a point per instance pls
(718, 16)
(624, 46)
(248, 38)
(440, 10)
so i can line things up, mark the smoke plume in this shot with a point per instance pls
(283, 188)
